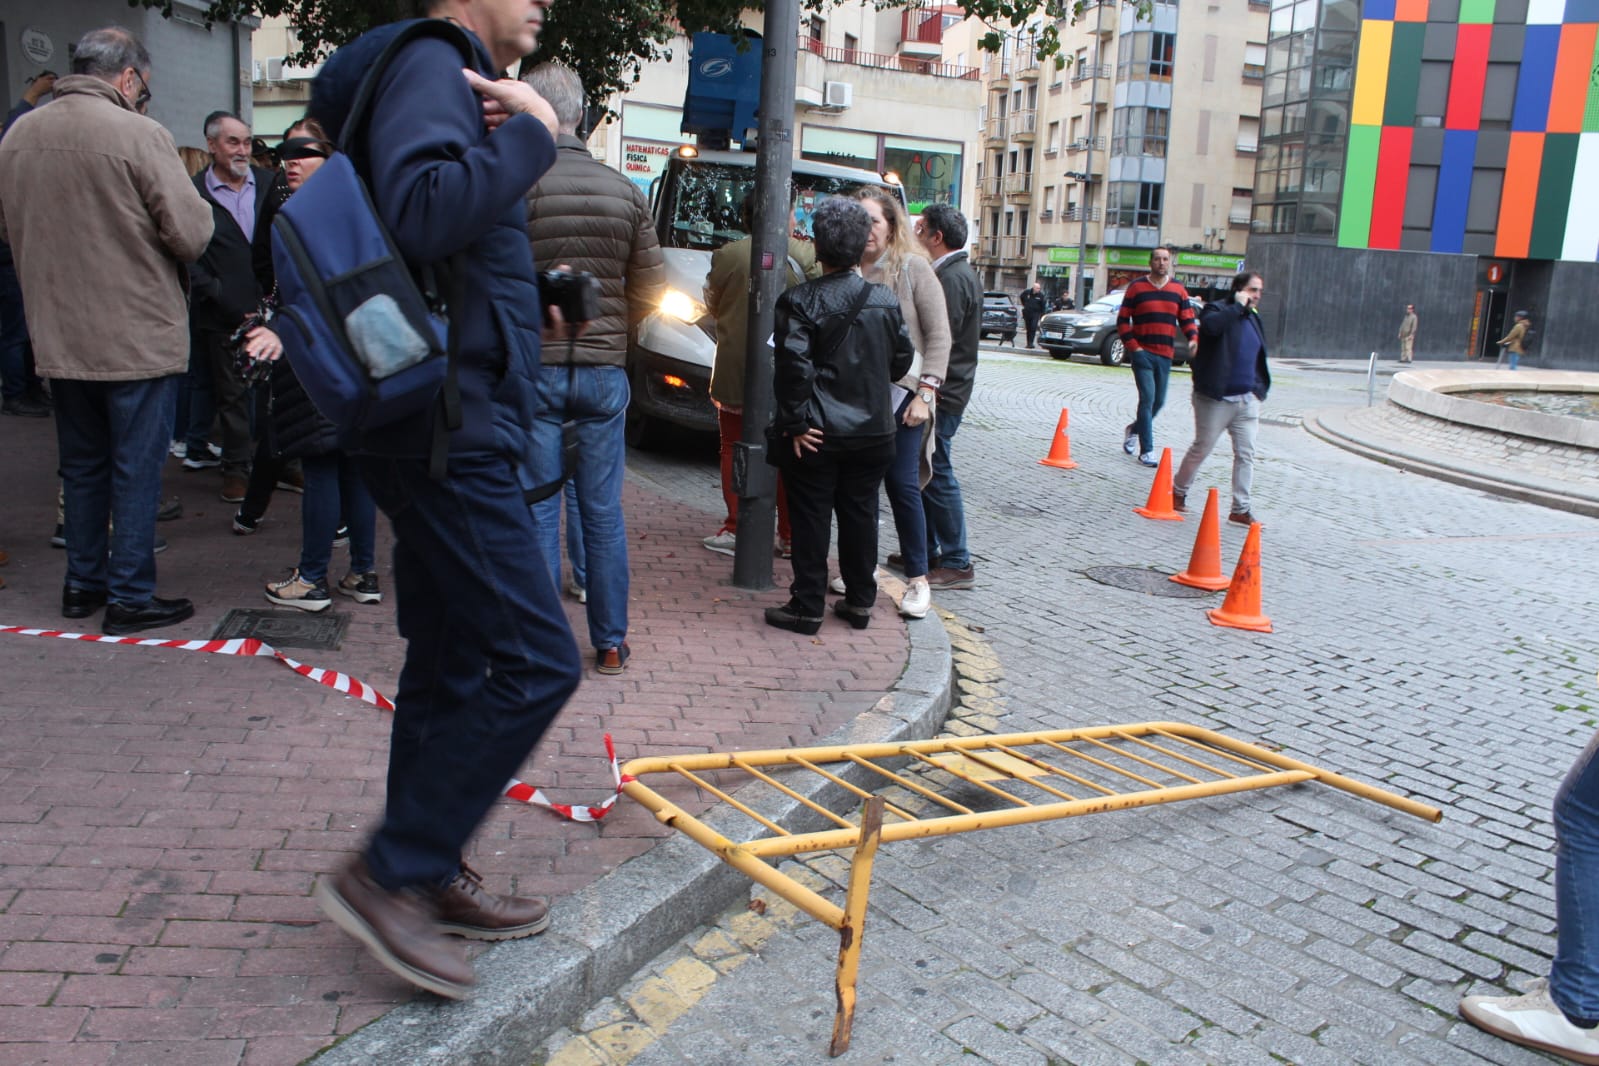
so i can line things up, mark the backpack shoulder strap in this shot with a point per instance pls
(355, 122)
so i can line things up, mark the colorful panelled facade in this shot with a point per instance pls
(1511, 87)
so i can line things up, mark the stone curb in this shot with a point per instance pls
(606, 931)
(1332, 426)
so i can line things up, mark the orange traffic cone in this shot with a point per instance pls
(1159, 505)
(1241, 608)
(1204, 565)
(1060, 448)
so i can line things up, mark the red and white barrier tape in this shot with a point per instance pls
(517, 790)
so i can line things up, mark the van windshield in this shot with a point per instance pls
(703, 202)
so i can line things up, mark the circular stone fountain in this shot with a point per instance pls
(1529, 434)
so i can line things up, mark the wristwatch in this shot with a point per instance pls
(926, 395)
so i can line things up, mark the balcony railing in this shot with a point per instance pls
(989, 187)
(1090, 70)
(877, 61)
(994, 130)
(1075, 213)
(1022, 126)
(1083, 144)
(1254, 71)
(996, 67)
(921, 26)
(1018, 185)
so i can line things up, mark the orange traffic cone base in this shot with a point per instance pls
(1214, 584)
(1060, 446)
(1159, 505)
(1241, 608)
(1259, 623)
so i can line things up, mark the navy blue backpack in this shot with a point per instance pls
(368, 338)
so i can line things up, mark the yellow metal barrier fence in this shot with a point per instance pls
(1066, 773)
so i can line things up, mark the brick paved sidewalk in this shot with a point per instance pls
(163, 814)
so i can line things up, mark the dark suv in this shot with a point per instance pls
(1092, 331)
(999, 316)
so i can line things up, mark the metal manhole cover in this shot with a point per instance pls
(284, 629)
(1140, 579)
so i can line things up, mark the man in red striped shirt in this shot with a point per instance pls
(1153, 309)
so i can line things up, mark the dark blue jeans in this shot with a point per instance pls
(17, 378)
(1574, 978)
(334, 487)
(489, 658)
(905, 498)
(941, 503)
(1150, 373)
(112, 437)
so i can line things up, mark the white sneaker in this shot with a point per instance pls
(725, 541)
(179, 449)
(1130, 441)
(576, 591)
(1148, 459)
(1534, 1020)
(837, 585)
(917, 599)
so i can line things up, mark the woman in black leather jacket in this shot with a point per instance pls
(840, 345)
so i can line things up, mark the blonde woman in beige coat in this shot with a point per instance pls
(895, 258)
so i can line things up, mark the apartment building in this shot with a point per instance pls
(873, 89)
(1147, 135)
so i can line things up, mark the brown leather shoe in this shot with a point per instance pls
(1244, 518)
(1179, 501)
(947, 577)
(612, 660)
(469, 910)
(233, 489)
(399, 928)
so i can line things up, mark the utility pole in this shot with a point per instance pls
(754, 479)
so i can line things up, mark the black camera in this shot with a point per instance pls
(576, 293)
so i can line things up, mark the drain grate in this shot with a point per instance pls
(284, 629)
(1141, 579)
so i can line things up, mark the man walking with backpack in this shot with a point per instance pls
(490, 659)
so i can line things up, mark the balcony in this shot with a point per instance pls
(921, 33)
(1084, 144)
(1023, 126)
(1101, 19)
(909, 64)
(1254, 72)
(1026, 63)
(994, 130)
(996, 69)
(1076, 213)
(1019, 187)
(1238, 218)
(989, 189)
(1014, 250)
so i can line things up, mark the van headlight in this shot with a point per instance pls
(682, 306)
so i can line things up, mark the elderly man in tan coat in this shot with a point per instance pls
(101, 216)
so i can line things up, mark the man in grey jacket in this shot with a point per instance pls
(585, 216)
(942, 231)
(120, 230)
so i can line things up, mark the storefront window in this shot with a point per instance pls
(846, 148)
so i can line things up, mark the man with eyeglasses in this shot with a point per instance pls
(100, 258)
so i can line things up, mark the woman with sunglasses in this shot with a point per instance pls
(295, 430)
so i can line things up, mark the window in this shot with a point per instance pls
(816, 29)
(1046, 208)
(931, 170)
(1254, 62)
(1132, 204)
(1076, 131)
(1248, 134)
(1143, 55)
(1052, 142)
(1139, 131)
(852, 44)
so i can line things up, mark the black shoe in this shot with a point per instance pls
(172, 509)
(785, 617)
(859, 617)
(58, 539)
(25, 407)
(81, 603)
(156, 613)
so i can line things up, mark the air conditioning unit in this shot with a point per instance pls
(270, 69)
(839, 94)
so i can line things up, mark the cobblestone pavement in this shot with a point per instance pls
(1429, 638)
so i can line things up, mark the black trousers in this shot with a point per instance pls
(827, 483)
(1032, 327)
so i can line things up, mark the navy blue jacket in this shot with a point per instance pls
(443, 185)
(1220, 325)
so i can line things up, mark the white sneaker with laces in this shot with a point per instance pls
(1130, 441)
(1148, 459)
(725, 542)
(1533, 1019)
(917, 599)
